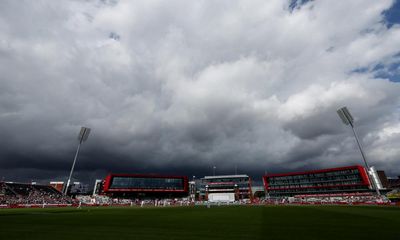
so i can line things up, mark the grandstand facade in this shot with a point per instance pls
(225, 188)
(145, 186)
(343, 180)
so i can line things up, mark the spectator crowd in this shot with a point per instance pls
(16, 193)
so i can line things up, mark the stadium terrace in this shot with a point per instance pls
(342, 185)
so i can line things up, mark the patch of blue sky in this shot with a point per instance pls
(392, 15)
(390, 71)
(296, 4)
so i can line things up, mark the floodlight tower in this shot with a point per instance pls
(83, 136)
(348, 119)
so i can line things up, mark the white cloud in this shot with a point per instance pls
(223, 82)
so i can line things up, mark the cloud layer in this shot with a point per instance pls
(179, 86)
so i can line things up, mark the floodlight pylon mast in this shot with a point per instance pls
(83, 135)
(359, 145)
(371, 178)
(348, 120)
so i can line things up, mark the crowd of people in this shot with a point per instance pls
(35, 198)
(104, 200)
(20, 194)
(28, 194)
(329, 200)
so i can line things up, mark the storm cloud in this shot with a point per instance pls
(181, 86)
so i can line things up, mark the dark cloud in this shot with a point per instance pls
(176, 87)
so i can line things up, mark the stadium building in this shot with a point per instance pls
(57, 185)
(98, 187)
(343, 180)
(225, 188)
(145, 186)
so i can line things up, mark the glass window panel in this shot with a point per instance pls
(147, 183)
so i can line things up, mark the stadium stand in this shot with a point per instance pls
(145, 186)
(226, 188)
(394, 183)
(350, 179)
(20, 193)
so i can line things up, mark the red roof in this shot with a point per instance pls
(313, 171)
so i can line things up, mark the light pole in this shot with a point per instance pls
(235, 187)
(214, 167)
(83, 136)
(348, 119)
(193, 192)
(266, 194)
(206, 194)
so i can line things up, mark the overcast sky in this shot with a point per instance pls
(180, 86)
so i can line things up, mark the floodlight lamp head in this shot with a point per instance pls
(345, 115)
(83, 134)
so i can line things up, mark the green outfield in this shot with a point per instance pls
(275, 222)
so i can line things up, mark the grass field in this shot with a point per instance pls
(274, 222)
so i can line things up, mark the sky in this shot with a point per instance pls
(177, 87)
